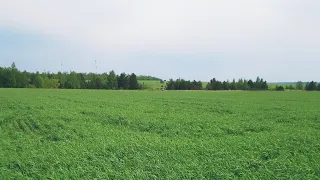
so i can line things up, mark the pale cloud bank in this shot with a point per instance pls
(277, 34)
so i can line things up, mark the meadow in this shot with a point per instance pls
(87, 134)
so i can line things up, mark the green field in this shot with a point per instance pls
(87, 134)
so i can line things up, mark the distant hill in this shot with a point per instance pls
(282, 82)
(285, 83)
(144, 77)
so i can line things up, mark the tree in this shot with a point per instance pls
(91, 81)
(82, 80)
(62, 79)
(213, 84)
(265, 86)
(13, 66)
(38, 82)
(290, 87)
(133, 82)
(99, 83)
(1, 77)
(22, 79)
(243, 84)
(181, 84)
(260, 84)
(233, 85)
(251, 84)
(279, 88)
(196, 85)
(72, 81)
(112, 80)
(227, 86)
(123, 81)
(12, 76)
(311, 86)
(299, 85)
(5, 74)
(170, 84)
(50, 82)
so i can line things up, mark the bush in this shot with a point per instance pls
(290, 87)
(279, 88)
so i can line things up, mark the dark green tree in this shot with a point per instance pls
(171, 85)
(82, 80)
(299, 85)
(133, 82)
(123, 81)
(251, 84)
(13, 75)
(72, 81)
(22, 80)
(5, 79)
(290, 87)
(1, 77)
(38, 82)
(99, 83)
(233, 85)
(112, 80)
(279, 88)
(311, 86)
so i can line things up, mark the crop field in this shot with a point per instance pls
(87, 134)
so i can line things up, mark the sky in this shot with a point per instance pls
(278, 40)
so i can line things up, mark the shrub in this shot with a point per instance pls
(279, 88)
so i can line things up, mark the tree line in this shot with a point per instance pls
(13, 78)
(241, 84)
(312, 86)
(308, 86)
(181, 84)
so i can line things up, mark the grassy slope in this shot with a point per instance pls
(152, 84)
(111, 134)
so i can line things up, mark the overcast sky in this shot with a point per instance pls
(278, 40)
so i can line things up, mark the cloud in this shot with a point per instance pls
(203, 26)
(205, 33)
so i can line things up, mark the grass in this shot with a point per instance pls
(87, 134)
